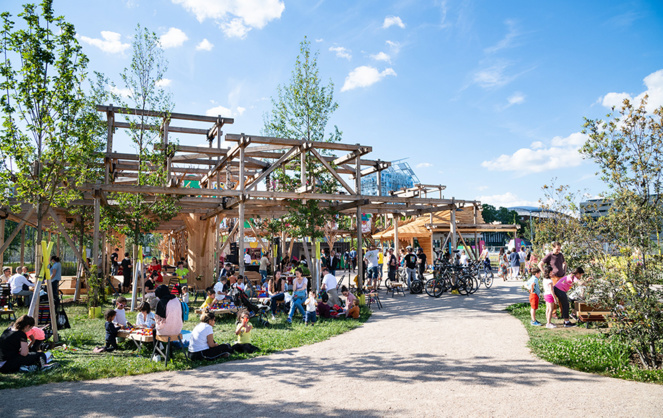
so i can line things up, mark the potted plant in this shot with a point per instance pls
(93, 296)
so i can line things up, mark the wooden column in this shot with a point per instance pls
(452, 225)
(302, 168)
(476, 242)
(23, 246)
(166, 122)
(110, 117)
(2, 240)
(360, 255)
(240, 251)
(396, 249)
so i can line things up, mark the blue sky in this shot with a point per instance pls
(485, 97)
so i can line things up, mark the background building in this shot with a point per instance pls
(398, 176)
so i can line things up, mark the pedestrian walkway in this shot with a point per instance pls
(453, 356)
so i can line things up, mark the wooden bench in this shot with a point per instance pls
(165, 342)
(588, 313)
(394, 288)
(9, 312)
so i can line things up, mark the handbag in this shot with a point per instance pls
(62, 319)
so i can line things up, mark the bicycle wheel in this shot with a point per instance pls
(473, 282)
(431, 287)
(488, 279)
(461, 285)
(416, 286)
(387, 284)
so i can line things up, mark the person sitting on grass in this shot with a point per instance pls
(299, 285)
(120, 314)
(243, 332)
(210, 299)
(36, 336)
(145, 317)
(548, 295)
(354, 311)
(111, 333)
(202, 345)
(14, 353)
(349, 298)
(311, 304)
(563, 286)
(532, 286)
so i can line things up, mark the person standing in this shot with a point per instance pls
(523, 258)
(421, 260)
(380, 265)
(555, 260)
(392, 263)
(114, 264)
(353, 259)
(264, 263)
(346, 259)
(56, 276)
(514, 264)
(127, 272)
(371, 258)
(333, 263)
(410, 265)
(247, 258)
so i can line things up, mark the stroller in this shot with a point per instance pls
(239, 298)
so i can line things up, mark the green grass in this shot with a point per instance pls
(579, 348)
(80, 363)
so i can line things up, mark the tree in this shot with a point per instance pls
(302, 110)
(135, 214)
(618, 251)
(50, 137)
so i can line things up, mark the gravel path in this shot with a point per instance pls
(453, 356)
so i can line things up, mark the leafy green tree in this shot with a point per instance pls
(618, 251)
(135, 214)
(50, 136)
(302, 110)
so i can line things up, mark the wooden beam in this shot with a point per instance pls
(70, 242)
(379, 166)
(232, 153)
(332, 171)
(295, 142)
(253, 181)
(215, 152)
(170, 115)
(11, 237)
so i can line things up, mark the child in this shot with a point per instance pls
(111, 331)
(240, 283)
(548, 295)
(534, 291)
(310, 303)
(202, 345)
(185, 295)
(37, 337)
(120, 315)
(181, 272)
(349, 298)
(354, 311)
(210, 299)
(243, 332)
(150, 285)
(145, 317)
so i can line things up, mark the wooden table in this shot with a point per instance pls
(136, 337)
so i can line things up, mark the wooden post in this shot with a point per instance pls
(23, 246)
(165, 147)
(240, 252)
(302, 168)
(396, 253)
(2, 240)
(110, 117)
(476, 242)
(95, 242)
(360, 255)
(452, 225)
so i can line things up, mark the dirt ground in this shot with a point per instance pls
(419, 356)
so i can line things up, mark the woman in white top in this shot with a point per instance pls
(299, 285)
(202, 345)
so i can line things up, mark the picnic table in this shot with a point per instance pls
(138, 336)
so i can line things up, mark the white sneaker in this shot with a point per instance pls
(273, 318)
(550, 326)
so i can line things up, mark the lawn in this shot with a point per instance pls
(580, 348)
(80, 363)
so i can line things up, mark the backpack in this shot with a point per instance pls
(185, 312)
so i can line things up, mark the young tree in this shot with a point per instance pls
(49, 139)
(302, 110)
(135, 214)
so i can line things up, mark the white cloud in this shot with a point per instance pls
(219, 110)
(394, 45)
(482, 188)
(164, 82)
(505, 42)
(111, 42)
(424, 165)
(654, 84)
(381, 56)
(493, 76)
(365, 76)
(341, 52)
(562, 153)
(204, 45)
(120, 92)
(516, 98)
(391, 21)
(536, 145)
(319, 40)
(235, 17)
(173, 38)
(506, 200)
(240, 110)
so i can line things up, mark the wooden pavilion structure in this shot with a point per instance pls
(229, 178)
